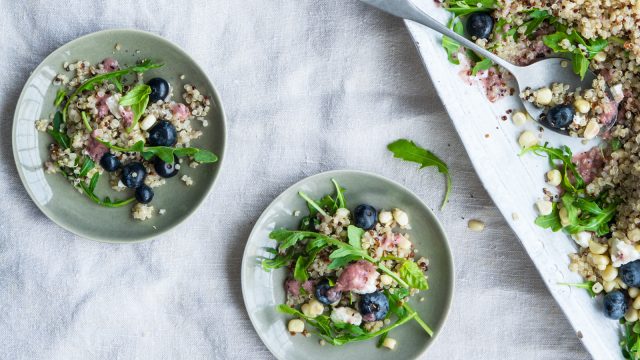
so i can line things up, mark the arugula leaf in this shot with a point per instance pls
(341, 202)
(59, 97)
(588, 285)
(94, 181)
(451, 46)
(164, 152)
(551, 221)
(313, 204)
(90, 83)
(409, 151)
(411, 273)
(280, 260)
(107, 202)
(137, 98)
(85, 120)
(61, 137)
(466, 7)
(484, 64)
(118, 83)
(630, 344)
(288, 238)
(340, 334)
(568, 169)
(581, 50)
(354, 234)
(87, 165)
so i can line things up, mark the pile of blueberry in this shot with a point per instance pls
(616, 302)
(161, 134)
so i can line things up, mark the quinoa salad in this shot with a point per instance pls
(592, 196)
(110, 122)
(350, 275)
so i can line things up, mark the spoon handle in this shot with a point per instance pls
(407, 10)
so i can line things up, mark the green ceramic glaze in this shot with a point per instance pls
(56, 197)
(262, 290)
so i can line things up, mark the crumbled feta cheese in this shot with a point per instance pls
(346, 315)
(622, 253)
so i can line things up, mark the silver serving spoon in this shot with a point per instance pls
(541, 73)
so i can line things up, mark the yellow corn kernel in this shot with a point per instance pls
(597, 288)
(633, 292)
(609, 286)
(636, 303)
(609, 273)
(597, 248)
(599, 260)
(631, 315)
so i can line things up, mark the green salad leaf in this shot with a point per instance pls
(569, 41)
(466, 7)
(60, 136)
(584, 212)
(630, 343)
(409, 151)
(411, 273)
(137, 98)
(451, 46)
(59, 97)
(165, 153)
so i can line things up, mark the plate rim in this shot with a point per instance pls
(215, 96)
(336, 173)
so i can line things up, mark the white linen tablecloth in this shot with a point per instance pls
(308, 86)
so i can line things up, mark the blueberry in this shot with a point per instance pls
(615, 304)
(163, 134)
(374, 306)
(144, 194)
(165, 169)
(109, 162)
(365, 216)
(159, 89)
(480, 25)
(133, 175)
(560, 116)
(327, 294)
(630, 273)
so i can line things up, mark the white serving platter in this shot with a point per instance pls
(515, 182)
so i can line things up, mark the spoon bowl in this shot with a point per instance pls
(541, 73)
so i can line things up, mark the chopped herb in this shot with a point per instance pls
(85, 120)
(615, 144)
(409, 151)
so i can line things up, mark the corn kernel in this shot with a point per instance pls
(633, 292)
(597, 288)
(543, 96)
(519, 118)
(609, 286)
(592, 130)
(554, 177)
(582, 105)
(296, 326)
(609, 273)
(597, 248)
(475, 225)
(544, 207)
(631, 315)
(600, 57)
(389, 343)
(527, 139)
(636, 303)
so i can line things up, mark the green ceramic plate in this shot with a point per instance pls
(262, 291)
(56, 197)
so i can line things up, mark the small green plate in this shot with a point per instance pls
(263, 291)
(55, 196)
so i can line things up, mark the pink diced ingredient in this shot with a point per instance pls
(95, 148)
(110, 64)
(127, 116)
(359, 277)
(180, 112)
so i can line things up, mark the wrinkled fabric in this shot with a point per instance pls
(308, 86)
